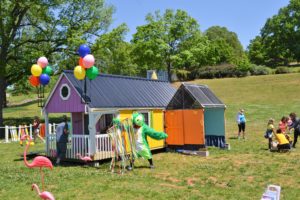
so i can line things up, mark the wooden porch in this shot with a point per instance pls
(82, 144)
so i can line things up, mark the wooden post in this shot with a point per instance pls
(47, 132)
(92, 133)
(30, 130)
(6, 134)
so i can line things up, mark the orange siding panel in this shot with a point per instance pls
(174, 127)
(193, 126)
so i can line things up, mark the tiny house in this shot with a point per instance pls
(93, 104)
(195, 119)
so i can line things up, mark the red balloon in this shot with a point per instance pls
(81, 62)
(34, 81)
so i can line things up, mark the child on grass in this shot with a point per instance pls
(283, 142)
(283, 124)
(270, 131)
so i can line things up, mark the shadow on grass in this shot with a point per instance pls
(233, 138)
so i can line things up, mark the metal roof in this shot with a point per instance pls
(191, 96)
(111, 91)
(204, 95)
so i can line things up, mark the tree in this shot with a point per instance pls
(53, 28)
(280, 36)
(256, 52)
(157, 45)
(226, 45)
(115, 52)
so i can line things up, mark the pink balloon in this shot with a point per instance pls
(88, 61)
(42, 62)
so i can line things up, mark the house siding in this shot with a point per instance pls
(57, 105)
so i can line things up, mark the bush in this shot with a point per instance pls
(220, 71)
(28, 120)
(260, 70)
(183, 75)
(282, 70)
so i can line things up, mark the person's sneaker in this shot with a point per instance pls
(129, 168)
(151, 166)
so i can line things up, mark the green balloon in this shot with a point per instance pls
(92, 72)
(47, 70)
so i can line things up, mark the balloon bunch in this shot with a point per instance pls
(40, 72)
(86, 64)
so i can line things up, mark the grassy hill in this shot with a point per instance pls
(240, 173)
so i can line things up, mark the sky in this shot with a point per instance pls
(244, 17)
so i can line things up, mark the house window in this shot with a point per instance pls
(65, 92)
(146, 117)
(104, 123)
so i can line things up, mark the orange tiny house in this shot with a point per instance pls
(194, 118)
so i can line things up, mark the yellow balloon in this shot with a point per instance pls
(79, 72)
(36, 70)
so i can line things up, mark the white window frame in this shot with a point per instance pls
(149, 115)
(69, 92)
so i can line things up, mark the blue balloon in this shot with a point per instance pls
(44, 79)
(84, 50)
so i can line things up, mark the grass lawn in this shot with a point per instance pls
(240, 173)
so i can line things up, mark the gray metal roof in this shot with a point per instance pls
(204, 95)
(107, 91)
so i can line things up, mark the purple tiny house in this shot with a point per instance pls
(109, 96)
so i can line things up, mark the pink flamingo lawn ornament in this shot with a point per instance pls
(85, 158)
(39, 161)
(44, 195)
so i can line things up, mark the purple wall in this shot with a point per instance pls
(77, 123)
(57, 105)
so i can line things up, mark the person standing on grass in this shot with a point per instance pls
(283, 124)
(62, 133)
(296, 126)
(270, 131)
(36, 129)
(241, 120)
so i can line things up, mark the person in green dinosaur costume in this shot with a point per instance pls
(142, 130)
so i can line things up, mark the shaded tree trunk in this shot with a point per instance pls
(3, 56)
(4, 98)
(2, 83)
(169, 71)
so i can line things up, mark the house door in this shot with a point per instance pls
(174, 127)
(193, 126)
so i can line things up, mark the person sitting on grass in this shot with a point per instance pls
(283, 143)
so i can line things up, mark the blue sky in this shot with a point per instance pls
(244, 17)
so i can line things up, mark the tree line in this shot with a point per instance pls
(170, 40)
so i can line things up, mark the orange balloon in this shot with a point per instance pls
(34, 81)
(81, 62)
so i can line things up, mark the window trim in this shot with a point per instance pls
(69, 92)
(149, 115)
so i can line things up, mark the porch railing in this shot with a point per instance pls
(103, 146)
(81, 144)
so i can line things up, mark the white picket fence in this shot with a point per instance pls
(13, 133)
(77, 143)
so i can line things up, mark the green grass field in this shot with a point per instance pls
(240, 173)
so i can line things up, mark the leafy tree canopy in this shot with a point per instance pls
(279, 37)
(51, 28)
